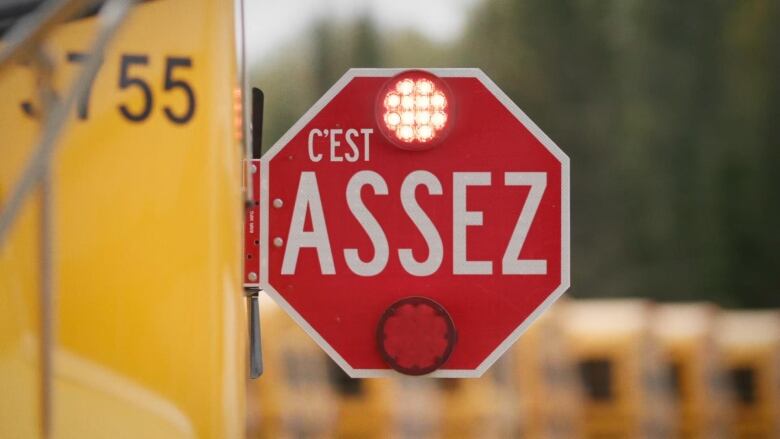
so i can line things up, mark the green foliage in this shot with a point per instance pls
(670, 112)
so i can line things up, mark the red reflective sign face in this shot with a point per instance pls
(352, 223)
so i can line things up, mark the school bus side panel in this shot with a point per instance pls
(147, 219)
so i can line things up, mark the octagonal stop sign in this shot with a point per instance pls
(414, 220)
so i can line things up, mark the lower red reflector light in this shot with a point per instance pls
(416, 336)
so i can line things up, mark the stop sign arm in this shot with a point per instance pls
(516, 224)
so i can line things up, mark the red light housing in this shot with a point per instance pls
(416, 336)
(414, 110)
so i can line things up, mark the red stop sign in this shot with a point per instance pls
(358, 215)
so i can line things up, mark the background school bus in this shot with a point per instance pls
(648, 370)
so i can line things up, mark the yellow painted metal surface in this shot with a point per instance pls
(626, 392)
(294, 398)
(546, 383)
(147, 221)
(684, 332)
(749, 343)
(484, 407)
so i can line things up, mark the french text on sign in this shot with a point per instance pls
(308, 202)
(331, 143)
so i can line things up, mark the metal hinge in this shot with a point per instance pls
(252, 239)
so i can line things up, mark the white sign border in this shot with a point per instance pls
(522, 117)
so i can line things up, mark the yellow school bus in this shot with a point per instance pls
(685, 335)
(397, 407)
(294, 398)
(414, 405)
(302, 393)
(362, 405)
(626, 391)
(121, 305)
(547, 386)
(749, 343)
(485, 407)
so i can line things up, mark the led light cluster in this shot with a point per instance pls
(415, 110)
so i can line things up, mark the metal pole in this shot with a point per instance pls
(47, 305)
(23, 38)
(255, 343)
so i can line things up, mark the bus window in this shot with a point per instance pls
(344, 385)
(449, 385)
(743, 381)
(749, 344)
(675, 379)
(596, 376)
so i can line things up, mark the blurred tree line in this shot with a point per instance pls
(669, 111)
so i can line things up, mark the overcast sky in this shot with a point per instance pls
(272, 23)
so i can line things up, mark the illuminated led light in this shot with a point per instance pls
(405, 87)
(392, 119)
(422, 117)
(438, 120)
(407, 102)
(415, 109)
(424, 132)
(405, 133)
(423, 87)
(438, 100)
(392, 100)
(407, 118)
(422, 102)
